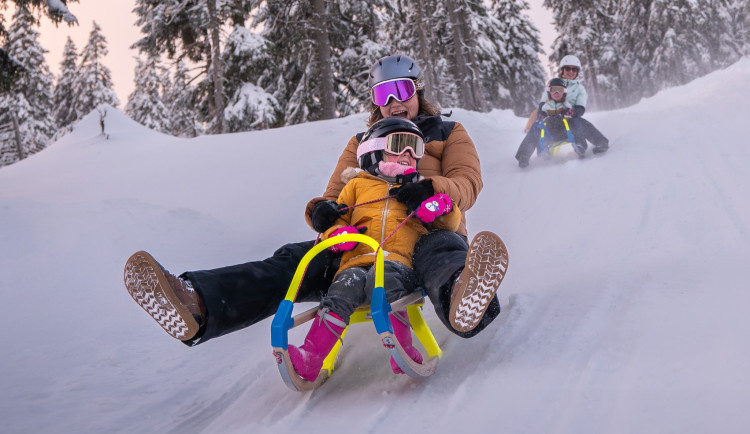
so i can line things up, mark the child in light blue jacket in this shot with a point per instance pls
(575, 106)
(582, 129)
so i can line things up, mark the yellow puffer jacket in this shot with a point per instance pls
(451, 163)
(381, 219)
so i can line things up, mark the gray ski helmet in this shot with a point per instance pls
(396, 66)
(382, 128)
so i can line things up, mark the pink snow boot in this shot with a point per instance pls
(325, 331)
(402, 331)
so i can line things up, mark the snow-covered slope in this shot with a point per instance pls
(624, 308)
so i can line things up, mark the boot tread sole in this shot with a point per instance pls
(486, 265)
(147, 284)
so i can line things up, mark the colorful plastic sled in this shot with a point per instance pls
(377, 312)
(550, 146)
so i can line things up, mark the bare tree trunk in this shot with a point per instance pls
(461, 70)
(323, 59)
(17, 131)
(217, 77)
(432, 87)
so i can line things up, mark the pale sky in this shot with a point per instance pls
(117, 21)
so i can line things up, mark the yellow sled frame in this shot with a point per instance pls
(283, 321)
(554, 148)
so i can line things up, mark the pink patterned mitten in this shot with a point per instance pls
(434, 207)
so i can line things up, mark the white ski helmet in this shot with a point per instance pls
(570, 60)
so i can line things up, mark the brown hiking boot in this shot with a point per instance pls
(486, 264)
(171, 301)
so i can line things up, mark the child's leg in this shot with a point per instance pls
(347, 292)
(402, 331)
(399, 280)
(344, 295)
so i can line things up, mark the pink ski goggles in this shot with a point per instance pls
(395, 144)
(401, 89)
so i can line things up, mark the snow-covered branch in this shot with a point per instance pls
(58, 8)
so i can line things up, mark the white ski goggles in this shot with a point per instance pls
(394, 144)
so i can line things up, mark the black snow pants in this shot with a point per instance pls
(528, 144)
(581, 129)
(353, 287)
(241, 295)
(584, 130)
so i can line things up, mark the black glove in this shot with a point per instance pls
(325, 213)
(578, 110)
(413, 194)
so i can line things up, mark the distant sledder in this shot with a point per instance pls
(553, 122)
(566, 124)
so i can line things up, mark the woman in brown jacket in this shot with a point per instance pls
(202, 305)
(388, 156)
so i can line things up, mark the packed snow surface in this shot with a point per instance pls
(625, 307)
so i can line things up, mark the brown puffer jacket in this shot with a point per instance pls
(450, 161)
(381, 218)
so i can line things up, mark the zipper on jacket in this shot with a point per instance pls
(385, 214)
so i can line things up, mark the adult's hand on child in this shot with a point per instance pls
(434, 207)
(325, 213)
(349, 245)
(413, 194)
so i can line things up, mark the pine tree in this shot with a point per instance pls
(288, 28)
(27, 117)
(145, 104)
(426, 37)
(681, 50)
(465, 59)
(355, 47)
(634, 50)
(180, 100)
(94, 84)
(55, 10)
(447, 88)
(190, 29)
(64, 98)
(589, 33)
(726, 21)
(740, 11)
(248, 67)
(518, 77)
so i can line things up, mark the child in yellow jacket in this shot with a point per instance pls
(388, 156)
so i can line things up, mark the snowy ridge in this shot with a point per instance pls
(624, 308)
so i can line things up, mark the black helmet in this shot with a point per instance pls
(369, 160)
(557, 82)
(396, 66)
